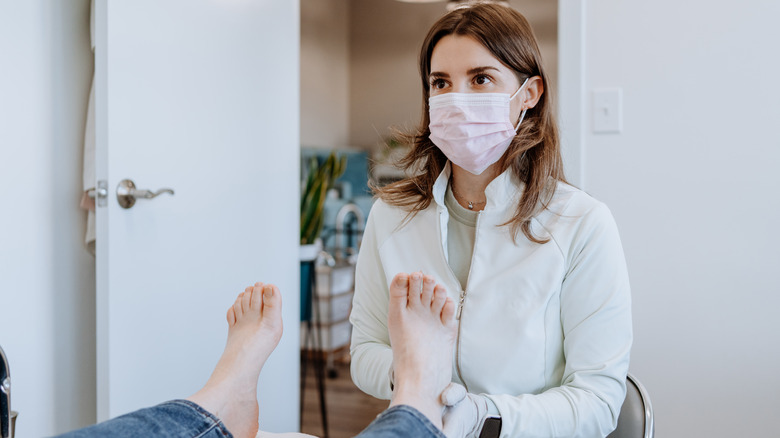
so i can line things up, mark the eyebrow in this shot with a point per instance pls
(472, 71)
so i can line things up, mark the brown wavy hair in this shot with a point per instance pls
(534, 154)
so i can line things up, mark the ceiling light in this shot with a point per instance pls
(455, 4)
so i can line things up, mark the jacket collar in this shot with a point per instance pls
(501, 193)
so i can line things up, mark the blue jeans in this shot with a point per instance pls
(177, 418)
(183, 418)
(401, 422)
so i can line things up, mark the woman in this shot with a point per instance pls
(535, 265)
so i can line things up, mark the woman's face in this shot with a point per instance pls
(461, 64)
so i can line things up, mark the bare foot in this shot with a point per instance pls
(422, 335)
(255, 327)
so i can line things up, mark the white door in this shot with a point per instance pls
(200, 96)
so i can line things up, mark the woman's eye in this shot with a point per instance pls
(482, 79)
(438, 84)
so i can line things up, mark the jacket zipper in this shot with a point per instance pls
(462, 297)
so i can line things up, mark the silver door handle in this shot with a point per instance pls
(127, 194)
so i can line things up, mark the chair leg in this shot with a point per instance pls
(319, 365)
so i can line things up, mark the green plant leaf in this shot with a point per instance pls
(319, 180)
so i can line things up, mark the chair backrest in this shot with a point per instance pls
(636, 415)
(5, 396)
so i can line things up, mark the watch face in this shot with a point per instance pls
(491, 428)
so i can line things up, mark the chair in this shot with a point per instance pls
(636, 415)
(6, 429)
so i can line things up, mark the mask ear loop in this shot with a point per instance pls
(522, 115)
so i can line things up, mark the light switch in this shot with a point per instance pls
(608, 110)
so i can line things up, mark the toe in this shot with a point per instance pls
(238, 312)
(399, 290)
(245, 299)
(448, 312)
(426, 296)
(256, 298)
(400, 285)
(231, 317)
(415, 288)
(439, 298)
(272, 299)
(272, 308)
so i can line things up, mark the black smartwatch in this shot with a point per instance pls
(491, 428)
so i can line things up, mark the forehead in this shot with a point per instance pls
(456, 53)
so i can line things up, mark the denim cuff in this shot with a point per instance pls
(208, 416)
(401, 421)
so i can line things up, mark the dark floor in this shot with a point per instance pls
(349, 410)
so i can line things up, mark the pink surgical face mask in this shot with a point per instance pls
(473, 129)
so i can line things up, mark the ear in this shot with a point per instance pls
(533, 92)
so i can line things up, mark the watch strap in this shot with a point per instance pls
(491, 428)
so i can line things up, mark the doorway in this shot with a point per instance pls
(359, 79)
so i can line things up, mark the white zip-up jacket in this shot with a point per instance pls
(544, 330)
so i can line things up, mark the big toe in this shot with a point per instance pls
(272, 303)
(399, 289)
(399, 286)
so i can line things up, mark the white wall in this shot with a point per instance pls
(692, 183)
(46, 276)
(47, 292)
(324, 73)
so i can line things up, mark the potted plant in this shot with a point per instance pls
(319, 180)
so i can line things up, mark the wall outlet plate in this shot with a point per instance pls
(607, 110)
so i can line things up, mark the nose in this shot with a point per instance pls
(458, 88)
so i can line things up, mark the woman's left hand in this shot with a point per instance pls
(464, 413)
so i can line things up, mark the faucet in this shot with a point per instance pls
(6, 429)
(341, 220)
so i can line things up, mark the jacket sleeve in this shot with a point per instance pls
(372, 357)
(595, 302)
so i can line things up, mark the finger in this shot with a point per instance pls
(453, 394)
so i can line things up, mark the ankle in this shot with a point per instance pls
(431, 409)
